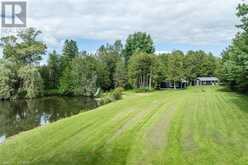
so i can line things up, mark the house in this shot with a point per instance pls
(207, 81)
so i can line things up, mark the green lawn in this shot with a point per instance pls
(202, 126)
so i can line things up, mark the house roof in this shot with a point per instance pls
(208, 79)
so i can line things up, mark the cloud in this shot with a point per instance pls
(177, 21)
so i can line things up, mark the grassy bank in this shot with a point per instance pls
(193, 126)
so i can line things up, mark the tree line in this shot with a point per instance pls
(79, 73)
(131, 65)
(234, 72)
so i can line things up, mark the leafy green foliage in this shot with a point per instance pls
(81, 78)
(31, 83)
(175, 66)
(138, 42)
(141, 69)
(109, 56)
(7, 80)
(234, 72)
(23, 48)
(199, 64)
(44, 72)
(66, 85)
(235, 64)
(120, 75)
(70, 51)
(19, 76)
(117, 93)
(109, 59)
(54, 70)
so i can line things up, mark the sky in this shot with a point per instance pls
(173, 24)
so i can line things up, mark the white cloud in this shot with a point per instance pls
(178, 21)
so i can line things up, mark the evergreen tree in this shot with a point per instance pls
(53, 70)
(70, 51)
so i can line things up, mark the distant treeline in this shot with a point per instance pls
(133, 65)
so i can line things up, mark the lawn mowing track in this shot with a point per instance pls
(202, 125)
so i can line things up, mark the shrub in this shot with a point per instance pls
(117, 93)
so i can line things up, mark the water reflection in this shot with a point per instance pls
(22, 115)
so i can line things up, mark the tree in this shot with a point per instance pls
(234, 71)
(138, 42)
(84, 74)
(192, 66)
(109, 55)
(7, 80)
(31, 83)
(24, 48)
(44, 72)
(82, 78)
(103, 80)
(70, 51)
(118, 47)
(235, 64)
(175, 67)
(161, 69)
(199, 64)
(141, 69)
(66, 86)
(120, 75)
(53, 70)
(21, 52)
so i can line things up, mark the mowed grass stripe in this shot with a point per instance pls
(204, 125)
(145, 148)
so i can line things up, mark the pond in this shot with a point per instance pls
(22, 115)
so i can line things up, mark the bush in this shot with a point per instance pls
(111, 96)
(105, 100)
(117, 93)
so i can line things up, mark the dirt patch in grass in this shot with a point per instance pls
(158, 134)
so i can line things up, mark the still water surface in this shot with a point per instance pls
(21, 115)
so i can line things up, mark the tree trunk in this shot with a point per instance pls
(175, 85)
(150, 82)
